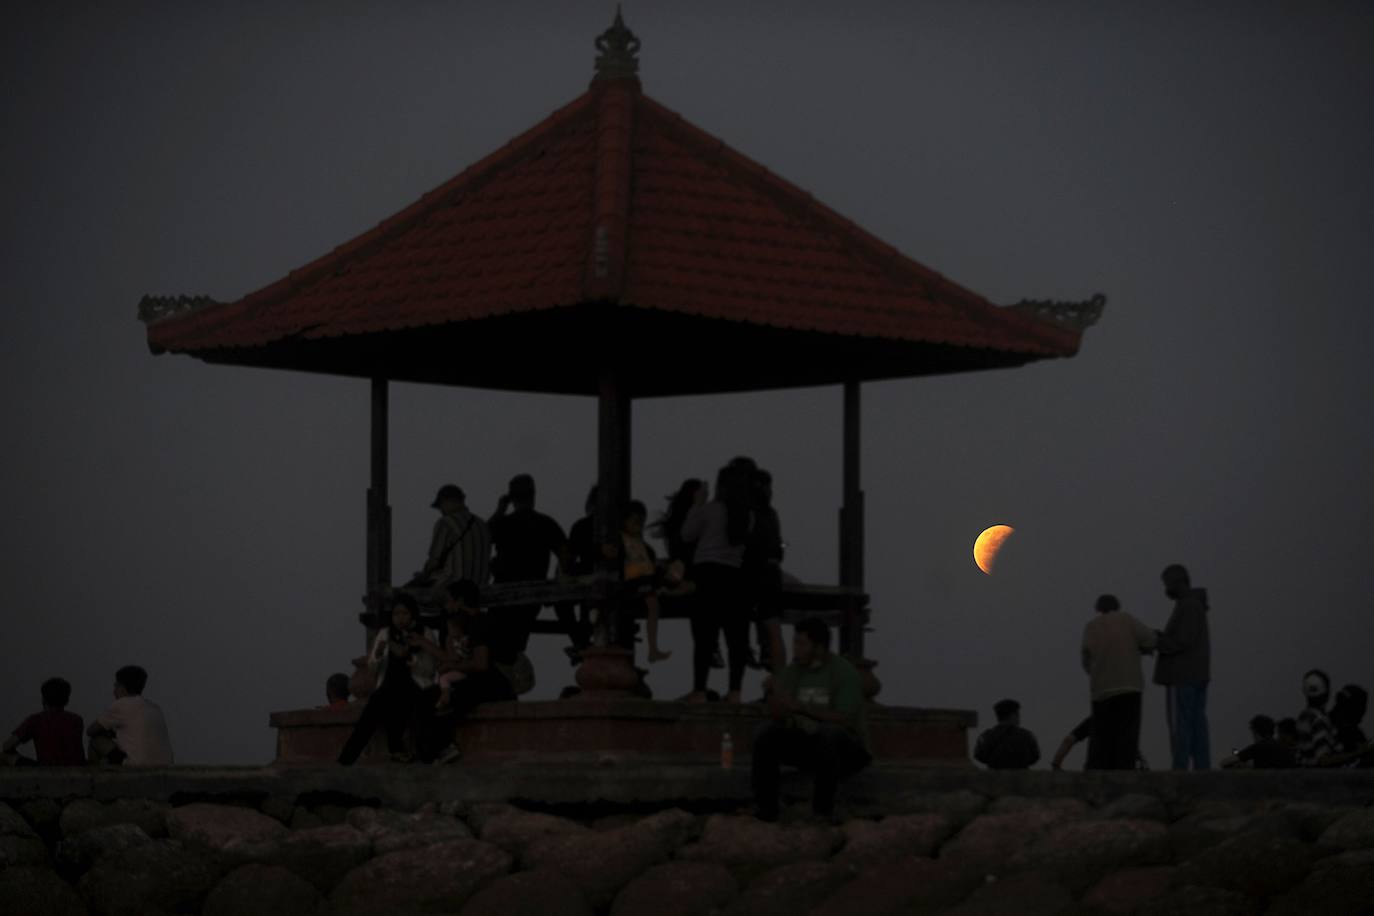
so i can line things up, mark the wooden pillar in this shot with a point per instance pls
(852, 522)
(612, 468)
(378, 507)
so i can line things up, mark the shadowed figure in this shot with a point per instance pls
(1183, 669)
(1007, 746)
(719, 529)
(1113, 642)
(133, 730)
(55, 732)
(1316, 737)
(1264, 752)
(524, 541)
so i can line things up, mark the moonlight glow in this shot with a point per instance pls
(989, 543)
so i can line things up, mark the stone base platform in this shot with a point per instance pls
(626, 728)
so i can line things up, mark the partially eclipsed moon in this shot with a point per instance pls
(989, 543)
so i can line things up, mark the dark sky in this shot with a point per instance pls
(1208, 169)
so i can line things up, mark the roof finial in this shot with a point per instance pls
(618, 47)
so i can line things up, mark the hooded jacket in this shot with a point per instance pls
(1185, 646)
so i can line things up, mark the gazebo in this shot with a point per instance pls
(614, 220)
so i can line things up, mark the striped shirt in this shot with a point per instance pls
(1316, 737)
(459, 548)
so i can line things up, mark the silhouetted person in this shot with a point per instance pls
(403, 660)
(1082, 732)
(668, 526)
(459, 545)
(55, 733)
(1007, 746)
(1183, 668)
(525, 541)
(133, 730)
(719, 530)
(336, 690)
(477, 662)
(640, 573)
(1316, 737)
(1287, 734)
(817, 723)
(1264, 752)
(762, 569)
(1113, 642)
(581, 556)
(1347, 712)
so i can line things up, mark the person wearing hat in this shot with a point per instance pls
(459, 546)
(1316, 737)
(1113, 642)
(1007, 746)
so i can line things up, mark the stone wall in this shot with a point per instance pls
(606, 836)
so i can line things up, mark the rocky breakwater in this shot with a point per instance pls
(952, 851)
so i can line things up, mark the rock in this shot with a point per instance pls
(677, 889)
(603, 863)
(1259, 863)
(225, 828)
(438, 879)
(791, 889)
(990, 839)
(1064, 806)
(1311, 820)
(1028, 894)
(543, 892)
(869, 843)
(749, 847)
(1198, 833)
(1190, 900)
(514, 830)
(960, 806)
(159, 877)
(1123, 892)
(44, 816)
(86, 814)
(19, 843)
(320, 855)
(12, 824)
(1135, 807)
(1353, 831)
(1081, 852)
(913, 886)
(614, 821)
(80, 852)
(281, 809)
(393, 831)
(305, 819)
(330, 814)
(36, 891)
(262, 889)
(1339, 884)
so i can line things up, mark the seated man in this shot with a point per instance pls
(55, 733)
(1264, 752)
(133, 730)
(336, 691)
(817, 707)
(1007, 746)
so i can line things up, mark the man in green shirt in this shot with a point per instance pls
(817, 710)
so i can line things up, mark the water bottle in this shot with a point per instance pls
(727, 752)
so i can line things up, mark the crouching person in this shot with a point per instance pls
(817, 710)
(471, 672)
(403, 660)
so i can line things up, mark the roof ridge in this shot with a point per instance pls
(606, 250)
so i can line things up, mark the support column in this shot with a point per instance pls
(378, 507)
(852, 522)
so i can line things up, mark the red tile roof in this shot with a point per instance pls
(611, 199)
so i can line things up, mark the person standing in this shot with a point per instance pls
(133, 730)
(719, 530)
(1113, 642)
(524, 540)
(1183, 669)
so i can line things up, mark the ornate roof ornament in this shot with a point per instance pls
(618, 47)
(1076, 316)
(156, 308)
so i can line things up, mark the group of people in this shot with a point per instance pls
(1113, 645)
(131, 731)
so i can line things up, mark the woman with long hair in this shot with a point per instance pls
(718, 531)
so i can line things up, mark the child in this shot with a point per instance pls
(641, 570)
(55, 733)
(1264, 752)
(457, 650)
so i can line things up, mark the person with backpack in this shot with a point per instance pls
(459, 546)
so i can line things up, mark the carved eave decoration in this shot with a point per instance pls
(155, 308)
(1076, 316)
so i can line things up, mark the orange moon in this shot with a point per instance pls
(989, 543)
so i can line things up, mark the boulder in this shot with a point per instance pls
(44, 816)
(86, 814)
(1353, 831)
(1258, 863)
(163, 876)
(1339, 884)
(1191, 900)
(37, 891)
(320, 855)
(514, 830)
(790, 889)
(1081, 852)
(393, 831)
(1200, 832)
(262, 889)
(601, 863)
(19, 843)
(1027, 894)
(1135, 807)
(225, 828)
(1311, 820)
(1124, 892)
(869, 843)
(913, 886)
(960, 806)
(78, 853)
(749, 847)
(546, 893)
(989, 840)
(438, 879)
(677, 889)
(282, 809)
(1065, 806)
